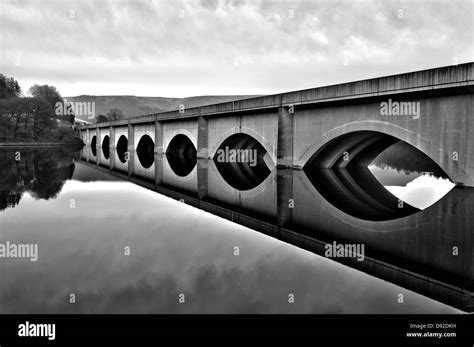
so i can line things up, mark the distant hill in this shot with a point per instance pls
(132, 106)
(404, 157)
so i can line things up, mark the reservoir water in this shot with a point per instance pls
(145, 239)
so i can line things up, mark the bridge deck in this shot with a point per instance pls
(456, 77)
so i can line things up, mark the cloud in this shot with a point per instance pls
(215, 46)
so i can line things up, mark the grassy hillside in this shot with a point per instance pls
(132, 106)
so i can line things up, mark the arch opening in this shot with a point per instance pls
(93, 145)
(181, 155)
(145, 151)
(122, 148)
(351, 173)
(105, 146)
(242, 162)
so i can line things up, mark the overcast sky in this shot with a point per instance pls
(214, 47)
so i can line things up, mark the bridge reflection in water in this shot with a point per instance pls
(428, 251)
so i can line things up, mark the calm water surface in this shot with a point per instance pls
(83, 219)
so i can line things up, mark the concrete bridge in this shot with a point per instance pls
(340, 127)
(431, 110)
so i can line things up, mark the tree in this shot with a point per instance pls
(9, 87)
(13, 109)
(53, 97)
(42, 114)
(49, 93)
(115, 114)
(32, 118)
(63, 132)
(101, 118)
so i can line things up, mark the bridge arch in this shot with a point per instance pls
(171, 134)
(94, 145)
(122, 148)
(339, 170)
(181, 155)
(106, 146)
(250, 132)
(242, 161)
(146, 151)
(378, 128)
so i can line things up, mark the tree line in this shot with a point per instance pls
(113, 114)
(31, 118)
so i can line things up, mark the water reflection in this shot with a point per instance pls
(410, 175)
(314, 219)
(242, 162)
(358, 193)
(419, 189)
(39, 172)
(112, 213)
(122, 148)
(145, 151)
(376, 177)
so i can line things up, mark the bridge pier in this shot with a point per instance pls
(131, 148)
(203, 138)
(112, 147)
(202, 178)
(88, 143)
(286, 199)
(285, 137)
(159, 162)
(98, 145)
(159, 137)
(131, 137)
